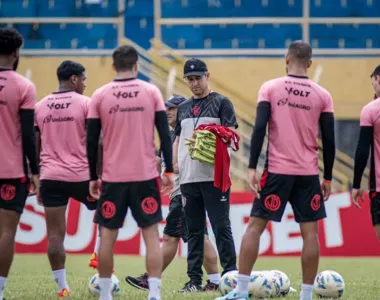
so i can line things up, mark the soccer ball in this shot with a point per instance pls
(329, 284)
(94, 288)
(228, 282)
(260, 285)
(281, 281)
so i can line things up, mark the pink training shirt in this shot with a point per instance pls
(16, 92)
(127, 111)
(370, 116)
(61, 119)
(296, 106)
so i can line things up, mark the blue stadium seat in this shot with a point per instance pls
(229, 8)
(60, 36)
(353, 8)
(140, 30)
(230, 36)
(139, 8)
(348, 36)
(17, 8)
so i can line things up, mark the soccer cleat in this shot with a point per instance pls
(94, 261)
(234, 296)
(210, 287)
(64, 293)
(140, 282)
(292, 290)
(191, 287)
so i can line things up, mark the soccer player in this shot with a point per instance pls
(197, 179)
(126, 110)
(17, 141)
(294, 106)
(61, 124)
(176, 227)
(369, 140)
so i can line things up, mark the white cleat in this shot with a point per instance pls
(292, 290)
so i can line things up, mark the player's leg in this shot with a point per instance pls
(13, 194)
(173, 231)
(110, 214)
(54, 197)
(270, 206)
(145, 203)
(375, 212)
(195, 215)
(80, 192)
(210, 264)
(217, 205)
(308, 207)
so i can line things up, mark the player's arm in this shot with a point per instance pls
(363, 146)
(93, 134)
(38, 142)
(259, 131)
(326, 122)
(28, 134)
(227, 114)
(162, 125)
(362, 153)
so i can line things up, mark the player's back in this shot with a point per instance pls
(61, 120)
(16, 92)
(127, 110)
(296, 106)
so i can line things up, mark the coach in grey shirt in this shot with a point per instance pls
(197, 179)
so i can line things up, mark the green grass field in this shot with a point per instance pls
(31, 277)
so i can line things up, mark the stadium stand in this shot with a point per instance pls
(210, 28)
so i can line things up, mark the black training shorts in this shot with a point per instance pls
(57, 193)
(142, 197)
(302, 192)
(13, 193)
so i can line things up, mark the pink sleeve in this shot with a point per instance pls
(160, 103)
(86, 105)
(29, 98)
(263, 93)
(365, 117)
(329, 106)
(93, 106)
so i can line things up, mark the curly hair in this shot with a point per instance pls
(10, 40)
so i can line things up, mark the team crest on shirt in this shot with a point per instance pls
(196, 111)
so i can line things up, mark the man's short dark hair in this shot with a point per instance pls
(10, 40)
(376, 72)
(300, 51)
(69, 68)
(124, 58)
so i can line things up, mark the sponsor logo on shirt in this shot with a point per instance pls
(117, 108)
(58, 105)
(285, 101)
(126, 95)
(297, 92)
(50, 118)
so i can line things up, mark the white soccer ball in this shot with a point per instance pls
(94, 288)
(260, 285)
(281, 281)
(329, 284)
(228, 282)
